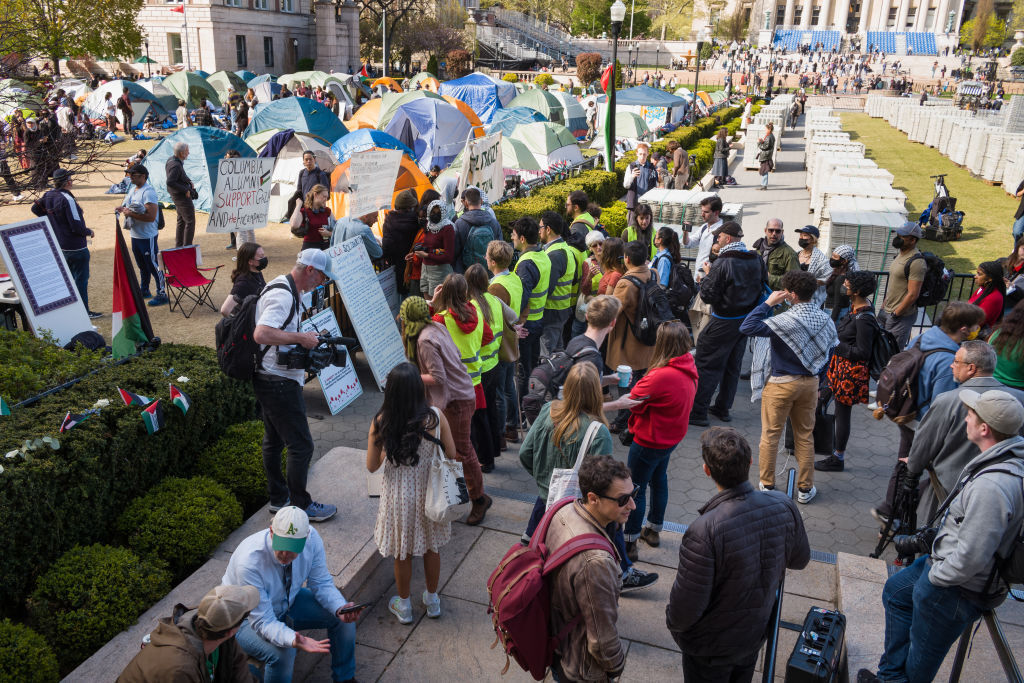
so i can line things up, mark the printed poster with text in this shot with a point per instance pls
(241, 198)
(340, 385)
(372, 176)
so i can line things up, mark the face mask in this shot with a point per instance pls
(804, 243)
(435, 216)
(262, 263)
(973, 335)
(712, 257)
(835, 262)
(897, 242)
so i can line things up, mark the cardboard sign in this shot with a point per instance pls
(340, 385)
(389, 285)
(482, 167)
(42, 279)
(367, 307)
(372, 180)
(241, 199)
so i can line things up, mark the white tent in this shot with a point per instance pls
(288, 164)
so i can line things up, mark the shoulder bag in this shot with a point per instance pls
(447, 495)
(565, 483)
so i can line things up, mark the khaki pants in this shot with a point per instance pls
(797, 401)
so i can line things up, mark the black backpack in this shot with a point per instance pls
(547, 378)
(896, 392)
(238, 354)
(652, 309)
(936, 278)
(681, 289)
(884, 346)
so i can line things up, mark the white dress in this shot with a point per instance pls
(403, 529)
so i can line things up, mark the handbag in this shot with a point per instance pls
(447, 495)
(565, 483)
(303, 227)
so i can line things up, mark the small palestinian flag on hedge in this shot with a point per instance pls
(5, 410)
(131, 399)
(180, 399)
(70, 421)
(153, 417)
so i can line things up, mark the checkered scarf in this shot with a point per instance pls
(808, 331)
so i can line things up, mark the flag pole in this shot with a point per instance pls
(188, 52)
(384, 40)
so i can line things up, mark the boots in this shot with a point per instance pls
(480, 507)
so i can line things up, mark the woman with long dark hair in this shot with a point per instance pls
(404, 436)
(720, 168)
(1008, 341)
(990, 292)
(247, 277)
(667, 243)
(843, 261)
(1013, 268)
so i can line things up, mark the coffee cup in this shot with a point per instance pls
(625, 374)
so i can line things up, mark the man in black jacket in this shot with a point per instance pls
(180, 187)
(733, 285)
(720, 618)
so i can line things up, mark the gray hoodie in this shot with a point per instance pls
(985, 517)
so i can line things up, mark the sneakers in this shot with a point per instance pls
(807, 496)
(479, 509)
(631, 551)
(274, 507)
(487, 467)
(158, 300)
(146, 294)
(830, 464)
(320, 512)
(17, 198)
(722, 415)
(433, 604)
(93, 315)
(635, 579)
(650, 537)
(402, 609)
(762, 487)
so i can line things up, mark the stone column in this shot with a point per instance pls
(941, 17)
(842, 15)
(883, 14)
(327, 38)
(901, 15)
(787, 19)
(805, 17)
(825, 14)
(865, 15)
(922, 14)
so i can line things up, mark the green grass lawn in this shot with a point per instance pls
(988, 210)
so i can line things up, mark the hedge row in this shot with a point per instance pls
(602, 187)
(53, 500)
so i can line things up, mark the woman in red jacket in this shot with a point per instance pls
(990, 292)
(658, 425)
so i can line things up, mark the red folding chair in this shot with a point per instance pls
(185, 280)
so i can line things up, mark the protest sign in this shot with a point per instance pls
(389, 285)
(340, 385)
(241, 198)
(372, 176)
(367, 307)
(482, 167)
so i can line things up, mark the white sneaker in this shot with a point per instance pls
(402, 611)
(433, 605)
(16, 198)
(762, 487)
(806, 496)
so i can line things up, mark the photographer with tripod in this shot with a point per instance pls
(278, 383)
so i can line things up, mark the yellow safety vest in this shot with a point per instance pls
(631, 237)
(539, 295)
(468, 344)
(514, 286)
(489, 352)
(561, 297)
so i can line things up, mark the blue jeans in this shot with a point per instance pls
(304, 614)
(648, 466)
(78, 264)
(1018, 228)
(922, 621)
(508, 401)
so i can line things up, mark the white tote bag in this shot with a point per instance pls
(566, 483)
(447, 495)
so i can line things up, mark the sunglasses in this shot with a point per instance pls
(773, 231)
(623, 500)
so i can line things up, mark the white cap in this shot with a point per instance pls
(290, 528)
(316, 258)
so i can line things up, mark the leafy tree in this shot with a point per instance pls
(733, 27)
(593, 17)
(459, 63)
(588, 67)
(984, 30)
(1017, 58)
(373, 12)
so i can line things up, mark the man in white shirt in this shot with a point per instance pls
(279, 389)
(288, 566)
(141, 215)
(710, 211)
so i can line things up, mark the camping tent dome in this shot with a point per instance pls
(410, 177)
(392, 101)
(507, 119)
(544, 102)
(575, 116)
(287, 148)
(245, 75)
(191, 87)
(142, 102)
(435, 130)
(161, 94)
(549, 142)
(262, 79)
(365, 139)
(484, 95)
(221, 80)
(207, 146)
(298, 113)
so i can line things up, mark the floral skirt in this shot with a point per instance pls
(848, 380)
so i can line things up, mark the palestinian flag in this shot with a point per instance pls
(608, 80)
(180, 399)
(70, 421)
(130, 325)
(131, 399)
(153, 417)
(4, 408)
(364, 76)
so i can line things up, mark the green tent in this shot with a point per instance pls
(191, 87)
(421, 76)
(542, 101)
(630, 125)
(221, 80)
(392, 101)
(514, 155)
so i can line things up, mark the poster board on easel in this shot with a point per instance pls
(43, 280)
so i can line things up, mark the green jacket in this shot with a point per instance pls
(539, 455)
(781, 260)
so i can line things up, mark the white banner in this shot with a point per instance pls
(340, 385)
(372, 176)
(241, 198)
(482, 167)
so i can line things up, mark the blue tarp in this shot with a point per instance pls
(206, 146)
(299, 113)
(644, 95)
(506, 120)
(364, 139)
(483, 94)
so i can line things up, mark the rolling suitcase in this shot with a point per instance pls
(818, 654)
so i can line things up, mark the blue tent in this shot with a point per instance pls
(435, 130)
(201, 73)
(483, 94)
(506, 120)
(245, 75)
(207, 146)
(262, 79)
(298, 113)
(644, 95)
(364, 139)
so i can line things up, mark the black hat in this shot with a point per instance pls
(729, 228)
(138, 168)
(61, 176)
(809, 230)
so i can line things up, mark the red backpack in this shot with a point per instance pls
(519, 602)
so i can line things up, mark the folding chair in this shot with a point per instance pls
(185, 280)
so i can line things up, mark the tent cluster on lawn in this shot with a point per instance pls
(287, 148)
(144, 102)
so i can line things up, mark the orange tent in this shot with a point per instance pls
(389, 83)
(366, 116)
(409, 177)
(474, 120)
(431, 84)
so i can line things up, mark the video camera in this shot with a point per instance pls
(330, 351)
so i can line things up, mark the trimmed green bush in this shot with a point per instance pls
(601, 187)
(32, 365)
(74, 495)
(305, 64)
(1017, 58)
(91, 594)
(544, 79)
(510, 78)
(25, 656)
(236, 462)
(180, 521)
(614, 218)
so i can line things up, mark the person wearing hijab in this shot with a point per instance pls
(843, 262)
(437, 251)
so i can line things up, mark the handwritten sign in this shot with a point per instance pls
(389, 285)
(340, 385)
(482, 167)
(241, 199)
(367, 307)
(372, 176)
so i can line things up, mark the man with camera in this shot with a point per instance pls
(930, 603)
(278, 384)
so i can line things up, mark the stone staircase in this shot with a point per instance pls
(901, 43)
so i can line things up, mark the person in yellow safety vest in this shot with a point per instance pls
(509, 288)
(644, 232)
(533, 269)
(564, 274)
(498, 316)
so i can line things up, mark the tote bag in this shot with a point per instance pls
(447, 495)
(566, 482)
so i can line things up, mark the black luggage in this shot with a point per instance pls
(818, 656)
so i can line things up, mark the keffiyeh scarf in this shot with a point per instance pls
(808, 331)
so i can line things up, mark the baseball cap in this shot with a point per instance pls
(138, 168)
(998, 409)
(225, 607)
(909, 229)
(809, 230)
(290, 526)
(316, 258)
(729, 228)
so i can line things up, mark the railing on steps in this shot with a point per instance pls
(771, 645)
